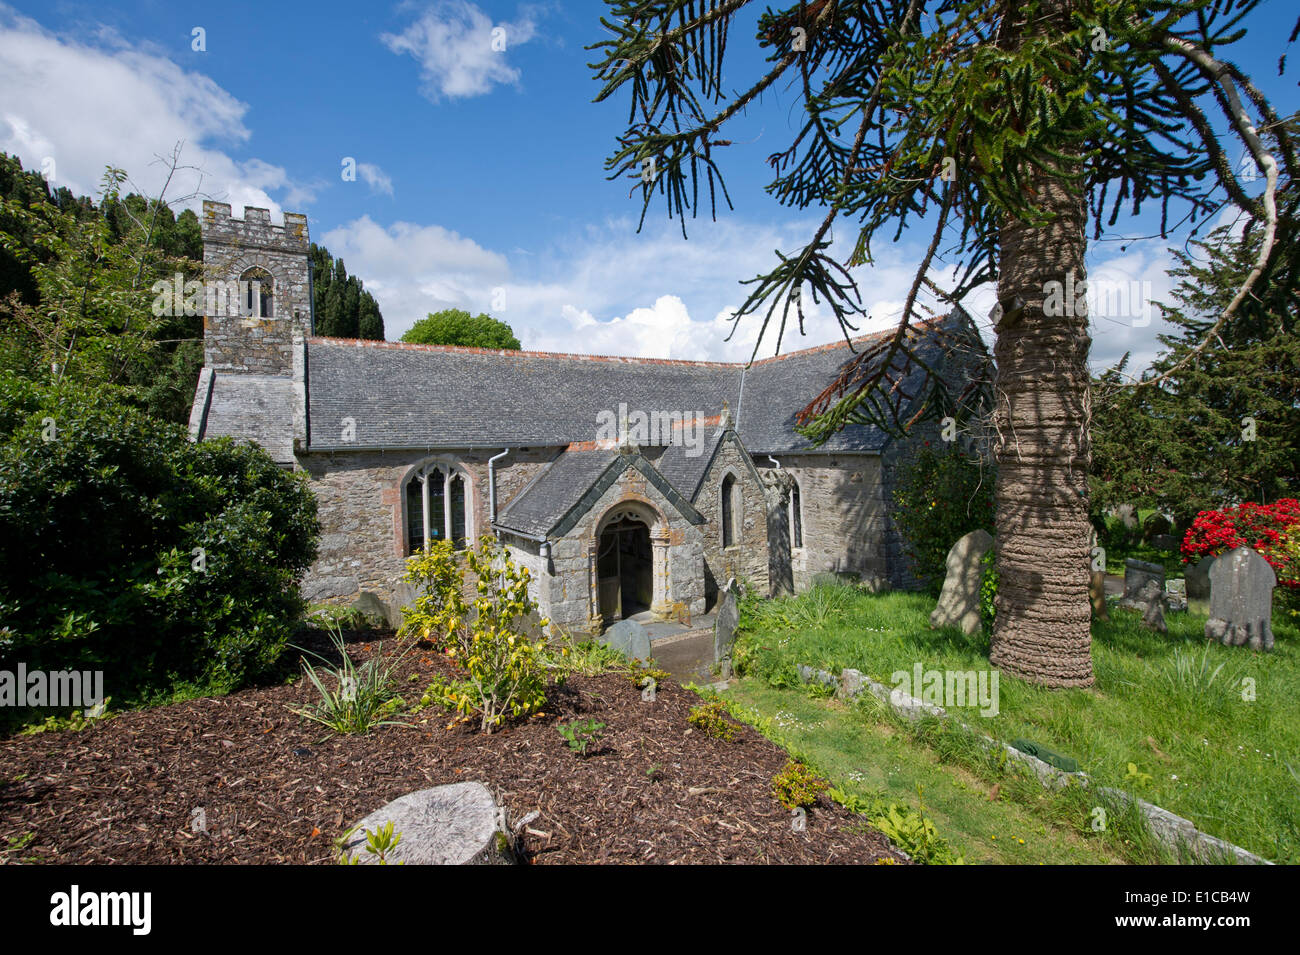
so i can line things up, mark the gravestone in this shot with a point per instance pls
(1241, 600)
(724, 628)
(456, 824)
(629, 638)
(1198, 585)
(959, 601)
(372, 608)
(1176, 594)
(1166, 542)
(1097, 594)
(1136, 574)
(1152, 603)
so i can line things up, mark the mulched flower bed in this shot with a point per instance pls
(274, 788)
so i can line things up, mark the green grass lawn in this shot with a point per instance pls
(1176, 708)
(870, 757)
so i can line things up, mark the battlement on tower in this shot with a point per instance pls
(255, 230)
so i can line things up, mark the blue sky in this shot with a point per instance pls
(480, 171)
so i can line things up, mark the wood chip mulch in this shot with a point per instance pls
(274, 788)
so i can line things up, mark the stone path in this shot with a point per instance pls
(684, 651)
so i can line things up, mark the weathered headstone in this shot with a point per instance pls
(372, 608)
(1153, 610)
(403, 596)
(1241, 600)
(1176, 594)
(1136, 575)
(1097, 594)
(456, 824)
(629, 638)
(1127, 514)
(724, 627)
(1198, 585)
(959, 601)
(1166, 542)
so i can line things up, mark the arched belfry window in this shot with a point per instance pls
(438, 506)
(257, 293)
(796, 515)
(730, 505)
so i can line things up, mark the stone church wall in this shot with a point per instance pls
(362, 513)
(747, 559)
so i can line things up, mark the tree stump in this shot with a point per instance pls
(456, 824)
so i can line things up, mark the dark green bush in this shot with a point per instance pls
(941, 496)
(126, 547)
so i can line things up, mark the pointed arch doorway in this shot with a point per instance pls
(625, 567)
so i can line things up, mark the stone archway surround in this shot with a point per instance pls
(644, 511)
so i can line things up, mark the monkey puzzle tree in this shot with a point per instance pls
(1005, 128)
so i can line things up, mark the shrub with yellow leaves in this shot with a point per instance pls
(504, 676)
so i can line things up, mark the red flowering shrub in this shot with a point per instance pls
(1263, 527)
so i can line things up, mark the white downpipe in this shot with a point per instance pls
(774, 461)
(492, 486)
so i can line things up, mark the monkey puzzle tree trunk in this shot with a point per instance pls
(1042, 632)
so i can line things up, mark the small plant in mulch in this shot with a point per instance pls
(580, 735)
(361, 696)
(638, 675)
(378, 843)
(796, 785)
(712, 719)
(502, 669)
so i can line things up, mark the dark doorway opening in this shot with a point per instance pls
(625, 569)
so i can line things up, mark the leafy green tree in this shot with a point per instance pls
(344, 309)
(1006, 130)
(453, 326)
(1224, 426)
(79, 302)
(124, 546)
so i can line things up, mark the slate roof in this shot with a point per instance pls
(558, 497)
(544, 500)
(425, 396)
(256, 408)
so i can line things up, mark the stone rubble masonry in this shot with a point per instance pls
(747, 560)
(239, 344)
(362, 508)
(843, 515)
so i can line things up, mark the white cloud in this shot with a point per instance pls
(460, 50)
(86, 106)
(375, 178)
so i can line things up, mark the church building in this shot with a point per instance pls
(624, 484)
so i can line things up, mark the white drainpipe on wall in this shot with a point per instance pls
(774, 461)
(492, 485)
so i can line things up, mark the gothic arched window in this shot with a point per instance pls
(437, 506)
(257, 293)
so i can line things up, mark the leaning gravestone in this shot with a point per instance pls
(1136, 574)
(724, 628)
(629, 638)
(457, 824)
(1241, 600)
(959, 601)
